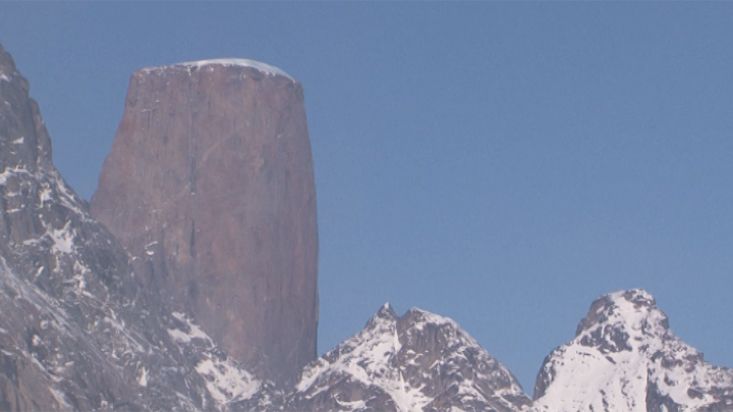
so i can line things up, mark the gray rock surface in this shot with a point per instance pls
(210, 186)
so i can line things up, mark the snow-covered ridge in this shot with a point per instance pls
(417, 361)
(231, 62)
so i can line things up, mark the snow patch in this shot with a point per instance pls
(225, 382)
(44, 195)
(63, 239)
(60, 399)
(194, 331)
(13, 172)
(142, 377)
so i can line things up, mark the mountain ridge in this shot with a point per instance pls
(83, 329)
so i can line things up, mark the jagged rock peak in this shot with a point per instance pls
(417, 361)
(625, 357)
(621, 320)
(24, 142)
(214, 64)
(385, 311)
(7, 66)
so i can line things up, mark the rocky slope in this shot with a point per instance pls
(210, 186)
(625, 358)
(79, 329)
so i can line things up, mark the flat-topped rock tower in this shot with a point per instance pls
(209, 185)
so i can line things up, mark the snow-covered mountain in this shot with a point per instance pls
(625, 358)
(416, 362)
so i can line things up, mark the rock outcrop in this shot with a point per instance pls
(210, 187)
(79, 329)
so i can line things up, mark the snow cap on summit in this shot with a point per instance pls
(226, 62)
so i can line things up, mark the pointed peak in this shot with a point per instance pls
(7, 65)
(24, 141)
(386, 311)
(385, 317)
(632, 311)
(9, 72)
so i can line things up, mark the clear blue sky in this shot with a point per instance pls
(503, 164)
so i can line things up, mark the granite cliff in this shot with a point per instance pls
(209, 186)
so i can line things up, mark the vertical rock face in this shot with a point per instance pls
(210, 186)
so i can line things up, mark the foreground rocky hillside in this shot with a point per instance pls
(79, 329)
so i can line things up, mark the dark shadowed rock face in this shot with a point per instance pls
(210, 186)
(79, 329)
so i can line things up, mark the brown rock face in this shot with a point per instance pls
(210, 185)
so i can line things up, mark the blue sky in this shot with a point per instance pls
(500, 163)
